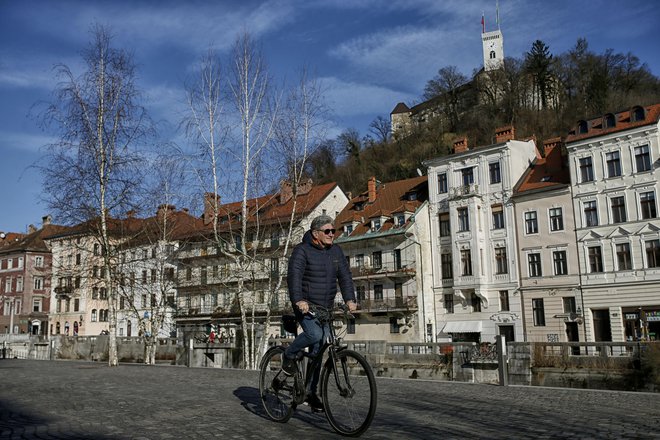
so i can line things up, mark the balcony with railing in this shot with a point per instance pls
(399, 304)
(232, 310)
(385, 269)
(463, 191)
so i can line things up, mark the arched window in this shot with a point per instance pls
(582, 127)
(609, 121)
(492, 55)
(93, 315)
(637, 114)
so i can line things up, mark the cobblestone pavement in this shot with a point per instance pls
(82, 400)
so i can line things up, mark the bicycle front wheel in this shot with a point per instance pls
(276, 388)
(349, 393)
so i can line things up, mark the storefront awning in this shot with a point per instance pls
(462, 327)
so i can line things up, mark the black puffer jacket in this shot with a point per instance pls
(314, 272)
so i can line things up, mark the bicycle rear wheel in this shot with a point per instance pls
(276, 388)
(350, 399)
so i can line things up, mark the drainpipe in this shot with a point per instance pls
(584, 310)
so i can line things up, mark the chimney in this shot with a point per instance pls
(185, 210)
(460, 145)
(210, 200)
(286, 191)
(552, 152)
(503, 134)
(32, 229)
(45, 220)
(130, 213)
(371, 187)
(305, 186)
(165, 209)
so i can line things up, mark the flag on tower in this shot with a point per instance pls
(483, 23)
(497, 13)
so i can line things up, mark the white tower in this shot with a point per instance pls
(493, 45)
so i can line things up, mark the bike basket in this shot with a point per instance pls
(290, 324)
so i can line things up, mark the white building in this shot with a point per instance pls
(614, 168)
(385, 237)
(473, 238)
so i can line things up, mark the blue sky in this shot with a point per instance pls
(368, 54)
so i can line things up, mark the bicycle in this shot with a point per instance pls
(347, 383)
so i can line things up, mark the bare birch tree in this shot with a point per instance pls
(92, 170)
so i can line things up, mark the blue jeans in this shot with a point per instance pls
(312, 336)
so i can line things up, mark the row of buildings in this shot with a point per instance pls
(558, 242)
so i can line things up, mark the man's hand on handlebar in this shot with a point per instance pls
(352, 306)
(303, 306)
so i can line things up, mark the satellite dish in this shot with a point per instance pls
(2, 235)
(419, 172)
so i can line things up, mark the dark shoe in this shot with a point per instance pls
(314, 402)
(289, 366)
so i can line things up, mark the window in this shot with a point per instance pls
(449, 302)
(652, 253)
(96, 249)
(500, 260)
(582, 127)
(609, 121)
(169, 273)
(442, 183)
(203, 275)
(95, 292)
(19, 284)
(445, 230)
(375, 224)
(8, 282)
(397, 259)
(538, 312)
(569, 304)
(559, 262)
(103, 293)
(613, 164)
(595, 259)
(76, 305)
(647, 204)
(466, 262)
(153, 276)
(586, 170)
(531, 223)
(590, 213)
(378, 292)
(642, 158)
(504, 301)
(377, 260)
(38, 283)
(556, 219)
(624, 262)
(188, 273)
(348, 229)
(463, 220)
(38, 261)
(394, 325)
(20, 262)
(498, 216)
(360, 293)
(400, 220)
(534, 265)
(618, 206)
(467, 176)
(446, 263)
(494, 172)
(274, 266)
(94, 315)
(350, 326)
(359, 260)
(144, 277)
(476, 302)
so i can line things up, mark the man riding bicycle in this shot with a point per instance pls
(315, 267)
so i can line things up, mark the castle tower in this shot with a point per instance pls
(493, 45)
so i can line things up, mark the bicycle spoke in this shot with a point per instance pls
(350, 401)
(275, 388)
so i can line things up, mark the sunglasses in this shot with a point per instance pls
(327, 231)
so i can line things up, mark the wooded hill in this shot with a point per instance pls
(540, 94)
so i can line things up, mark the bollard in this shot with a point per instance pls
(190, 352)
(502, 361)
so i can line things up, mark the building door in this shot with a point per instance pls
(602, 328)
(508, 332)
(573, 335)
(398, 294)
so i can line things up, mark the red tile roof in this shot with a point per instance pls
(30, 242)
(546, 172)
(624, 121)
(390, 199)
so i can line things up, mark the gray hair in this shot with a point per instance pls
(320, 221)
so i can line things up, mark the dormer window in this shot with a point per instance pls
(359, 206)
(582, 127)
(375, 225)
(348, 230)
(411, 196)
(637, 114)
(609, 121)
(400, 219)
